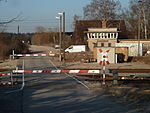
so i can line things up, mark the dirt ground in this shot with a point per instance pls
(143, 59)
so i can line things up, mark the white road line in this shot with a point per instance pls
(23, 82)
(71, 76)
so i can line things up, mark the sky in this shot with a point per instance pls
(34, 13)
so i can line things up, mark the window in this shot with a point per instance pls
(71, 47)
(109, 44)
(102, 44)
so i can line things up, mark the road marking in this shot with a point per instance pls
(71, 76)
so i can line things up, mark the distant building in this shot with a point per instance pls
(83, 26)
(104, 35)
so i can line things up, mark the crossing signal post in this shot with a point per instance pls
(104, 61)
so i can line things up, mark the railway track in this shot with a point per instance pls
(132, 70)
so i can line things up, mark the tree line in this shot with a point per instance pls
(8, 43)
(21, 42)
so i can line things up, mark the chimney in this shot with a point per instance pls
(104, 24)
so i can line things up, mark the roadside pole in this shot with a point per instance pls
(22, 88)
(23, 67)
(63, 40)
(17, 73)
(104, 72)
(11, 75)
(60, 37)
(115, 77)
(13, 53)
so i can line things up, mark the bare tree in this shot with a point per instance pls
(75, 18)
(138, 13)
(102, 10)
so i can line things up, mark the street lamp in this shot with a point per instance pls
(61, 29)
(60, 37)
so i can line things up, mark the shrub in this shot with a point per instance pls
(8, 44)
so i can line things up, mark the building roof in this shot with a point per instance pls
(82, 25)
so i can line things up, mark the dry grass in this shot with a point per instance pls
(143, 59)
(81, 56)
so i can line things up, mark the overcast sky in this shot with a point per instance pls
(41, 13)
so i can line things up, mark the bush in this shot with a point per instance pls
(8, 44)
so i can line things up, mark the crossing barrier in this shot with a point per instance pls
(6, 83)
(5, 74)
(57, 71)
(33, 55)
(22, 55)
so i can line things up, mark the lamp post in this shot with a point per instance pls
(61, 29)
(60, 35)
(64, 27)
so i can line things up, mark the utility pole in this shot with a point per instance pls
(64, 27)
(60, 37)
(139, 34)
(139, 27)
(60, 31)
(18, 31)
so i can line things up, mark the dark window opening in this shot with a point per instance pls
(109, 44)
(102, 44)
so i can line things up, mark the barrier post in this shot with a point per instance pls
(104, 72)
(13, 52)
(23, 67)
(115, 77)
(11, 78)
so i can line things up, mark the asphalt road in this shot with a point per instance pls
(55, 93)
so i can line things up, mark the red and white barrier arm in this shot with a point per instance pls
(5, 83)
(5, 74)
(57, 71)
(21, 55)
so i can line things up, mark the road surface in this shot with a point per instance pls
(55, 93)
